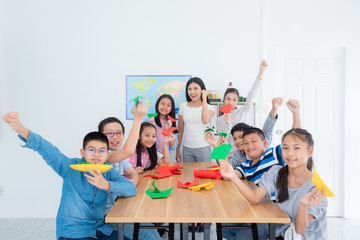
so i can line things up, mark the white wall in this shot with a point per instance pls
(63, 67)
(65, 63)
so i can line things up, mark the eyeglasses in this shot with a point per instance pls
(112, 134)
(92, 151)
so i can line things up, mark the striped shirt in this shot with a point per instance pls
(239, 156)
(270, 158)
(238, 115)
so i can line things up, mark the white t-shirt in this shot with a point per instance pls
(193, 136)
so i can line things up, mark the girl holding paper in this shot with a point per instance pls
(163, 119)
(226, 122)
(294, 189)
(146, 156)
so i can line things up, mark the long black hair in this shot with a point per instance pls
(152, 150)
(282, 178)
(172, 112)
(200, 83)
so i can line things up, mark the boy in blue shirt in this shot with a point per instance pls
(83, 201)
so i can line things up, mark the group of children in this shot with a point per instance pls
(282, 173)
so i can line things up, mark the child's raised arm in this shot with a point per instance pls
(12, 118)
(130, 145)
(262, 68)
(167, 139)
(294, 107)
(253, 196)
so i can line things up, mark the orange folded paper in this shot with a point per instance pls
(319, 184)
(226, 109)
(170, 118)
(167, 132)
(188, 184)
(205, 185)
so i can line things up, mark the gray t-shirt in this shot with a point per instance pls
(317, 228)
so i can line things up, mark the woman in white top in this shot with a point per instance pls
(193, 119)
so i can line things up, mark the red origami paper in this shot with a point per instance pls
(165, 171)
(167, 132)
(171, 119)
(208, 174)
(188, 184)
(227, 108)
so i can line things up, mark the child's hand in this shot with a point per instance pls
(139, 169)
(169, 138)
(263, 66)
(97, 179)
(313, 198)
(12, 118)
(226, 170)
(168, 124)
(293, 105)
(227, 118)
(204, 95)
(222, 140)
(211, 139)
(140, 110)
(276, 104)
(152, 120)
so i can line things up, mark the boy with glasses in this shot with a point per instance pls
(82, 207)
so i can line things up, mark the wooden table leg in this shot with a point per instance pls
(272, 231)
(207, 231)
(120, 229)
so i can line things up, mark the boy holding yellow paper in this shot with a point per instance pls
(82, 207)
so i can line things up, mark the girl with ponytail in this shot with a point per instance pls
(295, 192)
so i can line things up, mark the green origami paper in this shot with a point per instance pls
(222, 134)
(221, 151)
(137, 99)
(156, 193)
(150, 115)
(209, 130)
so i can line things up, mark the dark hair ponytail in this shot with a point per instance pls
(152, 150)
(282, 178)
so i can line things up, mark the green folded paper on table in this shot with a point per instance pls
(156, 193)
(137, 99)
(221, 151)
(150, 115)
(222, 134)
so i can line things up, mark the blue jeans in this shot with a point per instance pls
(235, 233)
(148, 234)
(99, 235)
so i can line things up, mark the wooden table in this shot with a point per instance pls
(223, 203)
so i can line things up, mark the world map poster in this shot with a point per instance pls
(151, 87)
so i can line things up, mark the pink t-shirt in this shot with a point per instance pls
(159, 136)
(145, 159)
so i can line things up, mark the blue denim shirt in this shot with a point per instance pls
(82, 206)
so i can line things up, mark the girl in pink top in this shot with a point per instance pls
(146, 156)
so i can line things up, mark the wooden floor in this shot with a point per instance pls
(44, 229)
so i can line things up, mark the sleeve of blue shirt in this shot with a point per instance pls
(120, 186)
(52, 156)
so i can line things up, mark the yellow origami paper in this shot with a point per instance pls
(205, 185)
(82, 167)
(319, 184)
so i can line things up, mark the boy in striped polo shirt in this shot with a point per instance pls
(254, 144)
